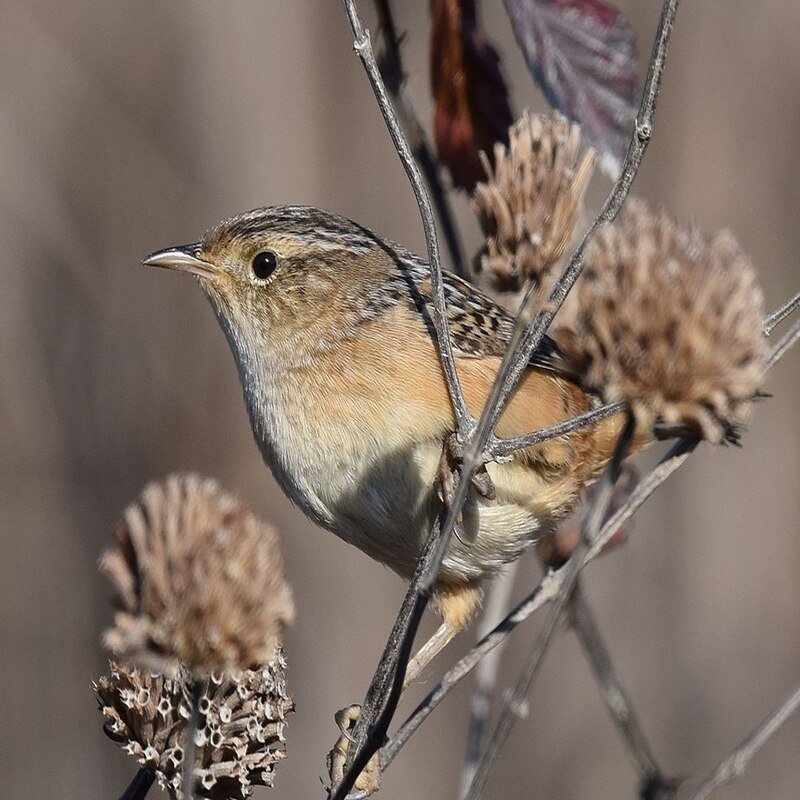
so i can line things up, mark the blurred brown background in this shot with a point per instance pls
(126, 127)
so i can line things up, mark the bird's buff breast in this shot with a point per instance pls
(351, 462)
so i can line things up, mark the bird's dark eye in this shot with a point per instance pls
(264, 264)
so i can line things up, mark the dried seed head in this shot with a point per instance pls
(198, 579)
(532, 199)
(240, 733)
(671, 321)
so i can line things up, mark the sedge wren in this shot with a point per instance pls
(331, 328)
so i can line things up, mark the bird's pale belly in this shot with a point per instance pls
(385, 507)
(338, 469)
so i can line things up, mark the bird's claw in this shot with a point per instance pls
(483, 484)
(453, 457)
(369, 780)
(346, 718)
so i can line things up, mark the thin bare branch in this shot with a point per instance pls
(394, 75)
(546, 590)
(516, 700)
(486, 675)
(140, 785)
(362, 44)
(784, 344)
(503, 447)
(736, 763)
(653, 782)
(590, 530)
(780, 314)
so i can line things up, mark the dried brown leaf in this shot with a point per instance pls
(470, 95)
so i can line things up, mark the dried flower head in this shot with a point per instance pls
(532, 199)
(671, 321)
(239, 738)
(198, 579)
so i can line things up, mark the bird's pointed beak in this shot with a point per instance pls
(183, 258)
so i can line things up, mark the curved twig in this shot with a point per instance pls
(734, 765)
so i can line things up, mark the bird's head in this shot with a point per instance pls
(279, 273)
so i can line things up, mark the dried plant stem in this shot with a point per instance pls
(735, 764)
(780, 314)
(516, 701)
(391, 66)
(504, 447)
(486, 675)
(590, 531)
(362, 44)
(546, 590)
(653, 783)
(784, 344)
(140, 785)
(190, 745)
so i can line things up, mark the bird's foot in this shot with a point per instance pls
(369, 780)
(453, 457)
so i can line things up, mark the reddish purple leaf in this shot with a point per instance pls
(583, 55)
(472, 111)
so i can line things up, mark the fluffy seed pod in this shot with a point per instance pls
(198, 579)
(239, 737)
(532, 199)
(670, 321)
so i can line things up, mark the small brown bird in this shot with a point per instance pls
(331, 328)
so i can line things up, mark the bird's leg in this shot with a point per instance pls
(457, 603)
(445, 634)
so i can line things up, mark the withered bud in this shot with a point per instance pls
(198, 579)
(670, 321)
(240, 731)
(532, 199)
